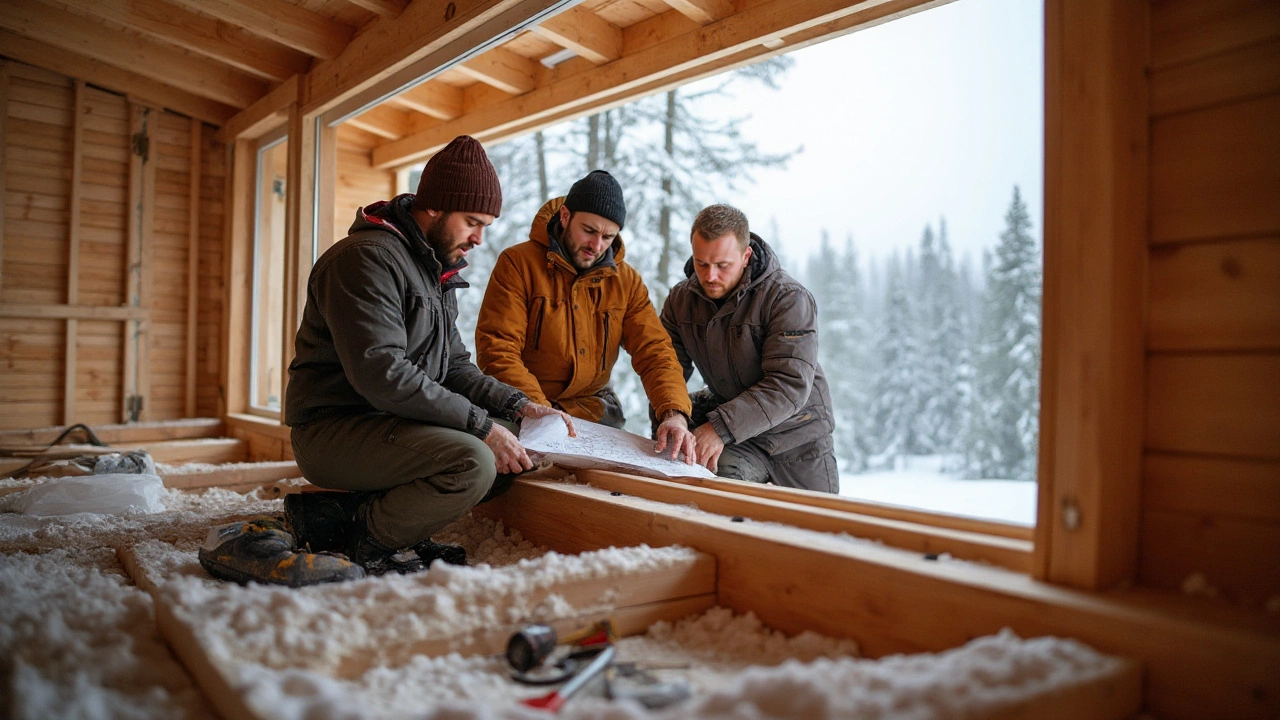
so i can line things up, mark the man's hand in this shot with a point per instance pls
(709, 445)
(507, 451)
(534, 410)
(674, 432)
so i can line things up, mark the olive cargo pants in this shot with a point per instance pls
(423, 476)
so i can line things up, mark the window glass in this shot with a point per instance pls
(267, 355)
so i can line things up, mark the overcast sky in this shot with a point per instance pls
(936, 114)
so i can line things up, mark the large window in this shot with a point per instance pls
(266, 354)
(897, 172)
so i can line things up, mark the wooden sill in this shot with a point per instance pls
(831, 515)
(271, 427)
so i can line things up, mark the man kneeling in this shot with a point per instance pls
(383, 398)
(751, 330)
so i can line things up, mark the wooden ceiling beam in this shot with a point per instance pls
(384, 121)
(583, 32)
(72, 64)
(702, 12)
(209, 37)
(424, 31)
(268, 113)
(508, 71)
(287, 24)
(436, 99)
(126, 51)
(736, 39)
(385, 8)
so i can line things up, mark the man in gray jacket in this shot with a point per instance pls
(751, 331)
(383, 398)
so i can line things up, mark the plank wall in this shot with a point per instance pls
(1211, 486)
(358, 183)
(66, 224)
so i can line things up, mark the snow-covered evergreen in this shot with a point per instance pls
(1003, 435)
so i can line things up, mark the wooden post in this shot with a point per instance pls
(4, 152)
(238, 271)
(1095, 265)
(73, 256)
(193, 267)
(142, 175)
(299, 232)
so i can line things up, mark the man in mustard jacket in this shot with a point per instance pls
(559, 306)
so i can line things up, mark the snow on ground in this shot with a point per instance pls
(920, 483)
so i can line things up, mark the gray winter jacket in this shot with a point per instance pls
(758, 351)
(378, 333)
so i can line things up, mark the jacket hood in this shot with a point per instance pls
(763, 262)
(539, 232)
(395, 217)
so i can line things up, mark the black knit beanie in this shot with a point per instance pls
(598, 193)
(460, 178)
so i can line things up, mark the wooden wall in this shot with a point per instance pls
(66, 280)
(1211, 486)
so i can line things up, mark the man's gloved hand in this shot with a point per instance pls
(507, 450)
(674, 432)
(709, 444)
(534, 410)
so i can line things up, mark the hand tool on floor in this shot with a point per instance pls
(630, 681)
(556, 699)
(533, 644)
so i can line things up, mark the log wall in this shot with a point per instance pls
(1211, 485)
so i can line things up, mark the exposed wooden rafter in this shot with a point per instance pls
(585, 33)
(503, 69)
(384, 121)
(91, 70)
(297, 27)
(702, 11)
(385, 8)
(200, 34)
(163, 63)
(434, 99)
(735, 40)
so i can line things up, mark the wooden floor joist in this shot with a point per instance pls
(892, 601)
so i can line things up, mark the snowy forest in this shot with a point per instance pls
(925, 354)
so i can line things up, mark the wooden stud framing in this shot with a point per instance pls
(299, 231)
(1095, 265)
(76, 312)
(193, 268)
(73, 257)
(238, 269)
(4, 149)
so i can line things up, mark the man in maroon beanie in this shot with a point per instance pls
(383, 399)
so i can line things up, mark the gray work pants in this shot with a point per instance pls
(812, 466)
(423, 477)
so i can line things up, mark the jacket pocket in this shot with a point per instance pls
(535, 322)
(604, 345)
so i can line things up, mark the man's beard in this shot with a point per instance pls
(440, 243)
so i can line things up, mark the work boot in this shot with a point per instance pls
(322, 521)
(378, 559)
(429, 551)
(261, 550)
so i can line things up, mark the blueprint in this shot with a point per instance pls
(601, 447)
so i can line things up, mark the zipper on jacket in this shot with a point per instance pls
(604, 346)
(537, 322)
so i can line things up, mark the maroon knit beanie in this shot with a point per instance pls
(460, 178)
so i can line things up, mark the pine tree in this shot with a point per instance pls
(843, 342)
(943, 339)
(896, 390)
(1004, 431)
